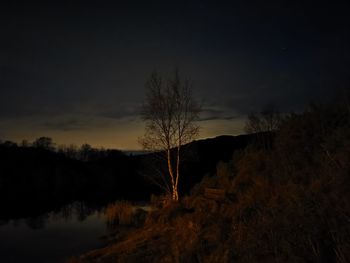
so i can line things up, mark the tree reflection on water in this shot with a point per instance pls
(54, 236)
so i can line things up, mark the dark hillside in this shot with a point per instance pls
(203, 156)
(284, 203)
(199, 159)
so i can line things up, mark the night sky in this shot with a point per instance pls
(76, 72)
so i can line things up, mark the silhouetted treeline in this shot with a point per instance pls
(84, 153)
(38, 177)
(34, 180)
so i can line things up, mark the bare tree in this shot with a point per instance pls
(170, 113)
(44, 143)
(263, 124)
(267, 120)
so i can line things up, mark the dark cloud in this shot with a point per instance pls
(66, 125)
(128, 111)
(209, 114)
(75, 123)
(71, 65)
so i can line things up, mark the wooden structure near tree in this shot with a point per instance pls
(214, 193)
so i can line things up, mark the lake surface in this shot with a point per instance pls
(52, 237)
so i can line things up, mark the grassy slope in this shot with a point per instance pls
(287, 203)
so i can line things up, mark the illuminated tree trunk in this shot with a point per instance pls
(170, 113)
(177, 170)
(171, 173)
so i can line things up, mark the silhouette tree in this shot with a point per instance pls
(9, 144)
(71, 151)
(45, 143)
(170, 113)
(85, 152)
(25, 143)
(263, 124)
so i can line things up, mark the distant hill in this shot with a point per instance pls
(201, 157)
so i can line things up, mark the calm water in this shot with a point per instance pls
(53, 237)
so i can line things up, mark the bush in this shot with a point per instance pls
(119, 213)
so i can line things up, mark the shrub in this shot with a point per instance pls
(119, 213)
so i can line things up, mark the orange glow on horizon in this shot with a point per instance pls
(121, 135)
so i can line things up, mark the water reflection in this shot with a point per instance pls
(53, 237)
(72, 230)
(80, 210)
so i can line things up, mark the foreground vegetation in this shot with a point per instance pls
(285, 203)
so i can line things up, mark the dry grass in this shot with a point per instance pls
(119, 213)
(289, 203)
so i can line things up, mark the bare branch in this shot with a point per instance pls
(170, 113)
